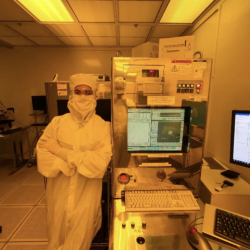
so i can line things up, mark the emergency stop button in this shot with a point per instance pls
(123, 178)
(198, 85)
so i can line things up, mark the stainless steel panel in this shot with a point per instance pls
(163, 230)
(138, 177)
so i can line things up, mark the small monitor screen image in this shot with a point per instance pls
(39, 103)
(158, 129)
(240, 138)
(169, 131)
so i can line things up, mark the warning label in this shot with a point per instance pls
(181, 61)
(181, 66)
(174, 69)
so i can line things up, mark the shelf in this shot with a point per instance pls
(38, 124)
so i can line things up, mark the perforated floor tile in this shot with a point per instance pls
(24, 195)
(18, 176)
(34, 179)
(33, 228)
(5, 189)
(26, 246)
(11, 217)
(42, 201)
(1, 245)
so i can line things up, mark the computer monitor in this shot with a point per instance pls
(158, 129)
(39, 103)
(240, 138)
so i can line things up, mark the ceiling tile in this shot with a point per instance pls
(154, 40)
(17, 40)
(93, 11)
(103, 29)
(6, 31)
(103, 41)
(128, 41)
(65, 29)
(46, 40)
(132, 31)
(169, 30)
(11, 11)
(75, 40)
(138, 11)
(30, 29)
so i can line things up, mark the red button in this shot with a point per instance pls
(198, 86)
(192, 230)
(123, 177)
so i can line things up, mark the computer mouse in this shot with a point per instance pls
(197, 240)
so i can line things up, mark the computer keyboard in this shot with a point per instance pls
(232, 227)
(159, 198)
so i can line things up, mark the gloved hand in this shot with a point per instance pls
(50, 144)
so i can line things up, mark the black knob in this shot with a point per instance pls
(140, 240)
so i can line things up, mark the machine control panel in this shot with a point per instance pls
(192, 86)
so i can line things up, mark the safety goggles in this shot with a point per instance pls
(83, 92)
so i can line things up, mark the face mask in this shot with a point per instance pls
(82, 107)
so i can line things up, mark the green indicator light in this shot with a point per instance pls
(164, 118)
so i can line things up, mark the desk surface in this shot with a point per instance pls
(12, 131)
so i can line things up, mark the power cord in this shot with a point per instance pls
(190, 225)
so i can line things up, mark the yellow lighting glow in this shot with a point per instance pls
(47, 10)
(184, 11)
(131, 74)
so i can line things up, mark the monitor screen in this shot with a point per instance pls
(240, 138)
(39, 103)
(158, 129)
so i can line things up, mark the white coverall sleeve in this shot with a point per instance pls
(93, 163)
(48, 164)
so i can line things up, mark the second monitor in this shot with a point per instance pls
(158, 129)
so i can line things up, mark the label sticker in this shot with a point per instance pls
(62, 89)
(198, 73)
(181, 66)
(200, 64)
(161, 100)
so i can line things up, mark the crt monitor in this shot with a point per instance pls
(240, 138)
(158, 129)
(39, 103)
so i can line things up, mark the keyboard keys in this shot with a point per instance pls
(160, 200)
(232, 227)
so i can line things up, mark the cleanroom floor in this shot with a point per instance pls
(22, 208)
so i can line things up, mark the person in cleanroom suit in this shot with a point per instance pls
(121, 103)
(73, 153)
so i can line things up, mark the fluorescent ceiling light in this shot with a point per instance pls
(184, 11)
(131, 74)
(47, 10)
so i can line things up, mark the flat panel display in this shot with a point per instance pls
(158, 129)
(240, 138)
(39, 103)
